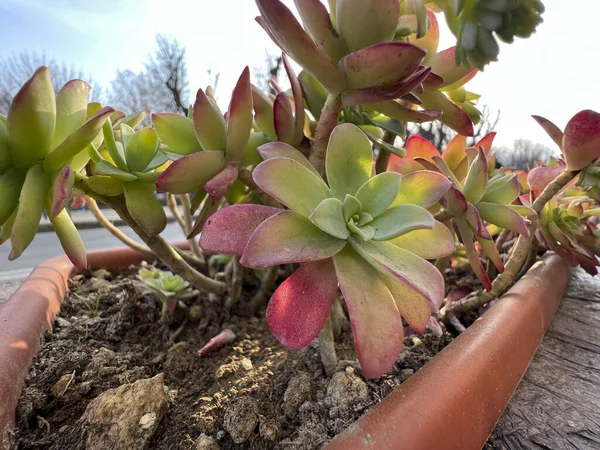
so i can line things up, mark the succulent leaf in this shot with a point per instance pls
(239, 118)
(71, 109)
(141, 149)
(10, 188)
(69, 238)
(144, 208)
(60, 190)
(378, 193)
(190, 173)
(428, 244)
(177, 132)
(424, 188)
(400, 220)
(209, 123)
(329, 217)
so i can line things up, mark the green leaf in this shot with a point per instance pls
(349, 160)
(423, 187)
(429, 244)
(378, 193)
(477, 178)
(141, 149)
(177, 132)
(113, 149)
(239, 121)
(503, 216)
(283, 150)
(292, 184)
(144, 208)
(394, 126)
(329, 217)
(400, 220)
(367, 22)
(210, 126)
(314, 93)
(352, 206)
(71, 109)
(5, 157)
(502, 191)
(32, 119)
(105, 185)
(105, 168)
(286, 238)
(10, 187)
(389, 147)
(263, 113)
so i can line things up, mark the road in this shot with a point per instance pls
(46, 246)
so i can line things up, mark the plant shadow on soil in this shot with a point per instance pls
(250, 394)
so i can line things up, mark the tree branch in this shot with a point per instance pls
(329, 119)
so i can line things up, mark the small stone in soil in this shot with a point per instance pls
(240, 419)
(246, 364)
(269, 430)
(346, 389)
(205, 442)
(297, 392)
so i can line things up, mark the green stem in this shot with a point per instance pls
(518, 255)
(383, 157)
(186, 204)
(328, 121)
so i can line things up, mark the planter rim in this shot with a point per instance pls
(478, 371)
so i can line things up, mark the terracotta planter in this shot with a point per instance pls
(451, 403)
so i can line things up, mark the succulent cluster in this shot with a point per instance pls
(166, 286)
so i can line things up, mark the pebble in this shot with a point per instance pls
(240, 419)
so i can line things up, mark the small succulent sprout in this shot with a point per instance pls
(168, 287)
(474, 198)
(370, 234)
(43, 142)
(225, 142)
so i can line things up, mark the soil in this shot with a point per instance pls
(250, 394)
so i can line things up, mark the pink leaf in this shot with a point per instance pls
(540, 177)
(190, 173)
(288, 238)
(223, 338)
(239, 123)
(283, 118)
(283, 150)
(228, 230)
(452, 115)
(581, 140)
(60, 189)
(299, 307)
(396, 111)
(444, 64)
(220, 183)
(466, 236)
(552, 130)
(376, 323)
(298, 101)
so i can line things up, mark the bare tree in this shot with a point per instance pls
(15, 70)
(270, 69)
(440, 135)
(523, 153)
(161, 87)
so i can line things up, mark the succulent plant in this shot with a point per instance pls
(368, 233)
(167, 286)
(474, 197)
(44, 140)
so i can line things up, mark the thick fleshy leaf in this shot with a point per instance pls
(429, 244)
(444, 64)
(467, 237)
(71, 109)
(366, 22)
(430, 41)
(552, 130)
(489, 248)
(283, 150)
(292, 184)
(415, 308)
(474, 220)
(455, 154)
(329, 217)
(416, 147)
(396, 111)
(32, 199)
(144, 208)
(239, 118)
(289, 35)
(314, 93)
(115, 149)
(378, 193)
(288, 238)
(298, 101)
(10, 188)
(263, 113)
(381, 64)
(190, 173)
(31, 120)
(228, 230)
(69, 238)
(486, 142)
(300, 306)
(220, 183)
(349, 160)
(455, 202)
(503, 190)
(317, 22)
(376, 323)
(540, 177)
(581, 140)
(60, 190)
(141, 149)
(105, 185)
(208, 209)
(7, 226)
(477, 178)
(284, 120)
(5, 156)
(452, 115)
(409, 268)
(352, 206)
(133, 120)
(503, 216)
(424, 188)
(177, 133)
(77, 141)
(400, 220)
(209, 123)
(107, 169)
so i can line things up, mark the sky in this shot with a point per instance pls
(554, 73)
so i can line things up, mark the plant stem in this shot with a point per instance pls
(169, 256)
(172, 204)
(266, 286)
(383, 157)
(236, 284)
(491, 270)
(442, 216)
(245, 176)
(112, 229)
(327, 122)
(327, 348)
(518, 255)
(186, 204)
